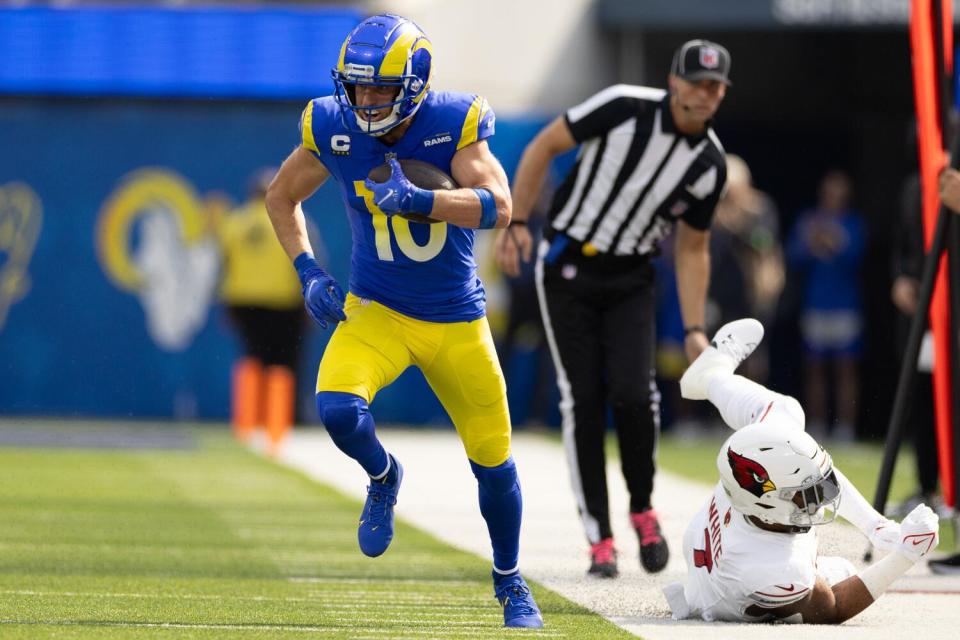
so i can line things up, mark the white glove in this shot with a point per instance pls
(885, 535)
(919, 532)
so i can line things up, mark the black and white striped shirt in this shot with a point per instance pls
(635, 173)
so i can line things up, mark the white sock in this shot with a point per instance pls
(385, 471)
(741, 402)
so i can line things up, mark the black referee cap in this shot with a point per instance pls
(701, 59)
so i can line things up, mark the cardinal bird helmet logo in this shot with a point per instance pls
(749, 474)
(779, 474)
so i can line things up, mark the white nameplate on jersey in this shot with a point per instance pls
(438, 139)
(340, 145)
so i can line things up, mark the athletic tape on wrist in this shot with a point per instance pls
(878, 577)
(488, 208)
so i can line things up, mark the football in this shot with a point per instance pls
(423, 175)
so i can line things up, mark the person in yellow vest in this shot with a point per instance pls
(261, 291)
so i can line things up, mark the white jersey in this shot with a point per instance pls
(733, 565)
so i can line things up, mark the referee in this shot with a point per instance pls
(647, 159)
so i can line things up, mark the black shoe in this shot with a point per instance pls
(603, 559)
(943, 566)
(653, 547)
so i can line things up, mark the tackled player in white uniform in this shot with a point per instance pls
(751, 551)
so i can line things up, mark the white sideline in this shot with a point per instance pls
(439, 496)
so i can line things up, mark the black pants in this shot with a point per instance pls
(923, 425)
(599, 315)
(273, 336)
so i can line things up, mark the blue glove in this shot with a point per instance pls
(399, 195)
(322, 296)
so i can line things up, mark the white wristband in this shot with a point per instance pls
(881, 574)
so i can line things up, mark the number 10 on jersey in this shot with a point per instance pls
(382, 224)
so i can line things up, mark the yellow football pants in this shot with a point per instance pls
(376, 344)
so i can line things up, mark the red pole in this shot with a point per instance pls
(926, 85)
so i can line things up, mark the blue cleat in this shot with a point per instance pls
(519, 608)
(376, 521)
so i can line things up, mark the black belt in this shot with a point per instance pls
(571, 249)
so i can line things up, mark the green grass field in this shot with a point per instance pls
(216, 542)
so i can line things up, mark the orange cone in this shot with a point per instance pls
(246, 390)
(279, 405)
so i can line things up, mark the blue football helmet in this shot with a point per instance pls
(385, 50)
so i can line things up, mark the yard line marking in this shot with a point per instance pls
(360, 602)
(418, 631)
(473, 611)
(175, 625)
(385, 582)
(184, 596)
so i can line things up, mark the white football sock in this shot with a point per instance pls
(741, 402)
(383, 475)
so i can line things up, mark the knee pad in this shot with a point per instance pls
(340, 412)
(499, 480)
(487, 450)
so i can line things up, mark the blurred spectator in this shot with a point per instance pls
(746, 278)
(825, 248)
(747, 273)
(908, 256)
(262, 293)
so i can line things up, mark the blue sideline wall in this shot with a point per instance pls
(75, 336)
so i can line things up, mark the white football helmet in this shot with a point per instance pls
(780, 475)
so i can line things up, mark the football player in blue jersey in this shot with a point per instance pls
(414, 296)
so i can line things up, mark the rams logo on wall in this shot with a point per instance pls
(154, 239)
(21, 217)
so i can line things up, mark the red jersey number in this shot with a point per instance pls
(704, 557)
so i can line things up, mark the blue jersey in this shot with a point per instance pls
(426, 271)
(832, 282)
